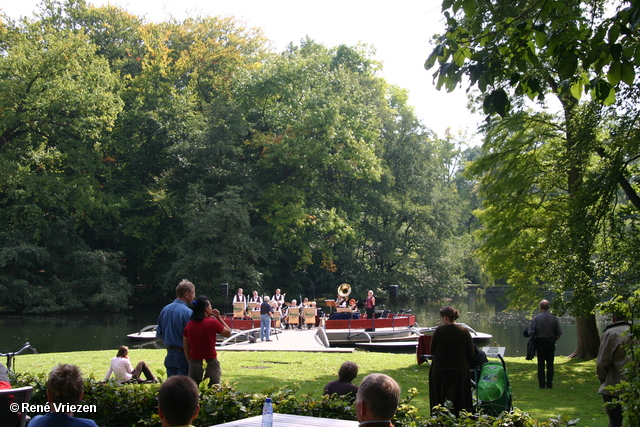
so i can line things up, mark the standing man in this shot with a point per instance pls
(546, 328)
(255, 297)
(612, 358)
(377, 400)
(239, 297)
(171, 322)
(266, 313)
(278, 298)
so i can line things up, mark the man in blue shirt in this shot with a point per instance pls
(65, 389)
(171, 322)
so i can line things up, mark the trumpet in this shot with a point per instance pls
(344, 290)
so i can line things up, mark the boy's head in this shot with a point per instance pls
(65, 385)
(178, 401)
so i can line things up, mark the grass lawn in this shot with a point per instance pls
(573, 396)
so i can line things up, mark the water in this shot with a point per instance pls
(108, 331)
(487, 314)
(54, 333)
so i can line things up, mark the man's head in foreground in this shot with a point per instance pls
(377, 399)
(178, 401)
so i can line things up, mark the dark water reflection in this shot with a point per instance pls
(105, 331)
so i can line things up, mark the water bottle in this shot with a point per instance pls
(267, 413)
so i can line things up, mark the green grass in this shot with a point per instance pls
(573, 396)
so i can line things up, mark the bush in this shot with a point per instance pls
(136, 404)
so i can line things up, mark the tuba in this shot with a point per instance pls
(344, 290)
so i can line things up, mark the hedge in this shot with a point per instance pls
(120, 405)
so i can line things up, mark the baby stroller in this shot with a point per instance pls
(493, 394)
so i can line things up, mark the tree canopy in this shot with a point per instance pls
(559, 188)
(135, 154)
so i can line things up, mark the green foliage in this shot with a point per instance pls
(136, 153)
(537, 48)
(218, 245)
(551, 182)
(136, 404)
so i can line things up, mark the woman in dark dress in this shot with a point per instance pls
(449, 377)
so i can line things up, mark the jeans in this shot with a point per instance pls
(213, 371)
(176, 363)
(265, 327)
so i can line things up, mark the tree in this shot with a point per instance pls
(523, 50)
(57, 101)
(316, 128)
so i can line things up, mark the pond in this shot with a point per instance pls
(107, 331)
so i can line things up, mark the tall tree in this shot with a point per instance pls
(57, 103)
(524, 50)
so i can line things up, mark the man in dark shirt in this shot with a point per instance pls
(266, 312)
(344, 385)
(546, 328)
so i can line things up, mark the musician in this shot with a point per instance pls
(341, 301)
(370, 305)
(240, 297)
(294, 304)
(278, 298)
(353, 305)
(255, 297)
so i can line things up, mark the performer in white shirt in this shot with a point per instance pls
(255, 297)
(278, 298)
(239, 297)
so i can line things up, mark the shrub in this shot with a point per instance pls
(136, 404)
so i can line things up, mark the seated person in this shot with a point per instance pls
(178, 401)
(123, 371)
(344, 385)
(64, 387)
(4, 378)
(377, 400)
(341, 301)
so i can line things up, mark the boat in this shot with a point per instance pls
(390, 346)
(145, 334)
(475, 335)
(380, 329)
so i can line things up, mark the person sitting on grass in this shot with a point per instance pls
(65, 389)
(377, 400)
(123, 371)
(178, 401)
(344, 386)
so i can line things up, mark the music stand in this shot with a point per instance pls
(330, 303)
(238, 310)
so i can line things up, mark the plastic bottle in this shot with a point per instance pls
(267, 413)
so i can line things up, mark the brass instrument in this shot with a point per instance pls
(344, 290)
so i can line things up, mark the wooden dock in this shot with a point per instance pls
(287, 340)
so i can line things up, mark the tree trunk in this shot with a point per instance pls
(588, 338)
